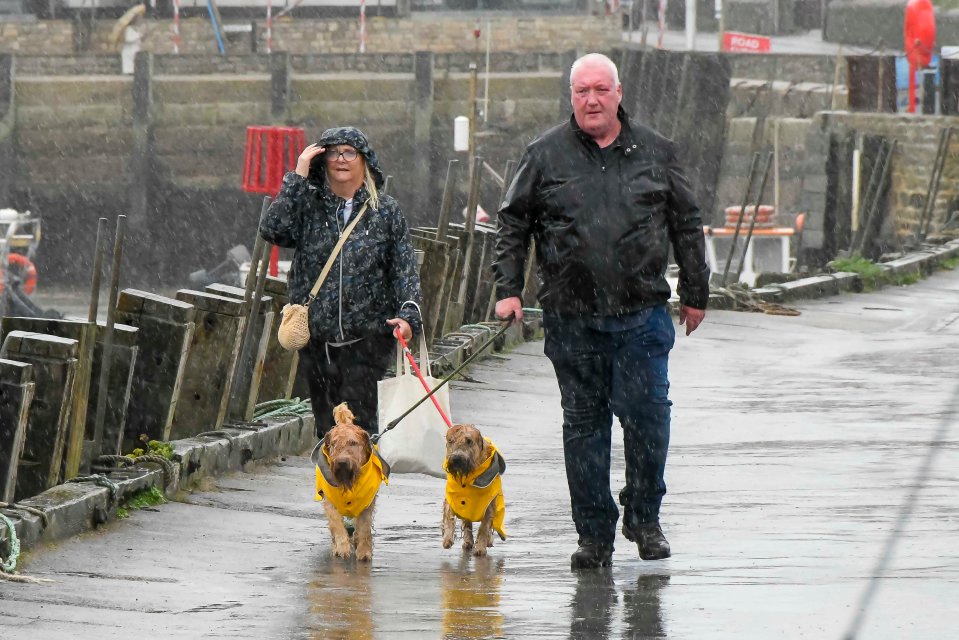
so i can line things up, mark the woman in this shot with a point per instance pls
(373, 287)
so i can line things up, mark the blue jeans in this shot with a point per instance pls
(612, 366)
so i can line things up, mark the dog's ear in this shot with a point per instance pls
(367, 442)
(327, 441)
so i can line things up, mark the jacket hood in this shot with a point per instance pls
(356, 139)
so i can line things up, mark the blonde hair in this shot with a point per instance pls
(370, 182)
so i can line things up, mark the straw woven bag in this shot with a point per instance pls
(294, 331)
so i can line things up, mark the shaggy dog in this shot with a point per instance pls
(474, 489)
(349, 471)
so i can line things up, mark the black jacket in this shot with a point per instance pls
(602, 221)
(371, 279)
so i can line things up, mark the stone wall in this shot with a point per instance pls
(76, 143)
(918, 139)
(440, 34)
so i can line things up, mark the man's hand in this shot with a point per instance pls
(509, 307)
(303, 162)
(405, 329)
(691, 317)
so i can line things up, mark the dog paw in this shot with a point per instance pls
(342, 549)
(479, 551)
(467, 545)
(447, 542)
(364, 555)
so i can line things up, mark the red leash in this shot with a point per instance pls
(409, 356)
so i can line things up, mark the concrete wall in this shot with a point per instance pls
(867, 23)
(441, 34)
(76, 139)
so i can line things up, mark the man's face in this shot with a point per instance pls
(595, 99)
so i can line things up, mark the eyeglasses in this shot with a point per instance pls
(332, 155)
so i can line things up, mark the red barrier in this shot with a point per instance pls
(270, 153)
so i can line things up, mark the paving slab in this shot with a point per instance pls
(795, 440)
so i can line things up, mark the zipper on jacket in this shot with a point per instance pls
(341, 227)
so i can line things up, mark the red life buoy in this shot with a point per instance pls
(27, 269)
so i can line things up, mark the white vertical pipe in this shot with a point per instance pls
(690, 25)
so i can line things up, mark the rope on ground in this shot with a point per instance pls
(293, 408)
(101, 481)
(10, 564)
(745, 300)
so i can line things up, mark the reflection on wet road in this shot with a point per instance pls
(794, 441)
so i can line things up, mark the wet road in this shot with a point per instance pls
(794, 442)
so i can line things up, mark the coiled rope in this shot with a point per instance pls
(10, 564)
(293, 408)
(101, 481)
(120, 462)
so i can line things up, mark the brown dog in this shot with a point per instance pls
(349, 471)
(474, 489)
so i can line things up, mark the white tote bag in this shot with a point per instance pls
(417, 444)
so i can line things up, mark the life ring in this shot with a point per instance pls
(27, 268)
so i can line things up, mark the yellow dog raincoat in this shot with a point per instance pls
(469, 497)
(349, 502)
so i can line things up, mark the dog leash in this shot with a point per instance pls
(506, 324)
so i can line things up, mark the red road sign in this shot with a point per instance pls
(747, 42)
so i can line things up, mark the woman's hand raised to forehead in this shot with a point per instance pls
(303, 162)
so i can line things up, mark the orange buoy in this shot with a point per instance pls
(27, 268)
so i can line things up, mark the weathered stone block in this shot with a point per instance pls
(214, 349)
(54, 363)
(119, 386)
(249, 372)
(165, 331)
(83, 333)
(16, 394)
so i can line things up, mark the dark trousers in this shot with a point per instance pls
(602, 372)
(345, 374)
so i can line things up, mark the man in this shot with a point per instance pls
(603, 197)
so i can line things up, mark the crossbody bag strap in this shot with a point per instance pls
(332, 258)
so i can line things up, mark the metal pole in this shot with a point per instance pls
(106, 356)
(507, 179)
(97, 269)
(470, 225)
(752, 221)
(934, 192)
(472, 109)
(486, 79)
(252, 280)
(864, 201)
(742, 213)
(690, 25)
(870, 224)
(447, 204)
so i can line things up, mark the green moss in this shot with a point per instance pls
(908, 278)
(154, 448)
(871, 273)
(949, 265)
(146, 498)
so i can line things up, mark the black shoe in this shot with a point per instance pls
(650, 540)
(592, 555)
